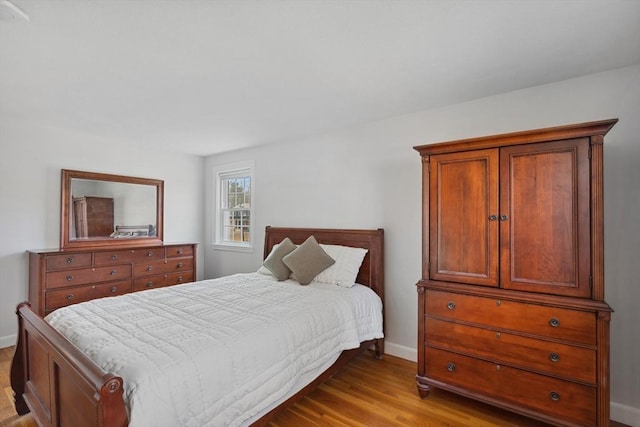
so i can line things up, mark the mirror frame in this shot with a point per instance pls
(66, 211)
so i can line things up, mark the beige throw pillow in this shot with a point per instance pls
(307, 261)
(274, 261)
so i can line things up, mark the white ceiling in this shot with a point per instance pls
(205, 77)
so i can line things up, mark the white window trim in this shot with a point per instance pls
(220, 172)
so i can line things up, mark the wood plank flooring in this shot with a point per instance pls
(366, 393)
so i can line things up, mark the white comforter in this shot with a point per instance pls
(218, 352)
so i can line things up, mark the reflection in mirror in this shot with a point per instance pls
(101, 209)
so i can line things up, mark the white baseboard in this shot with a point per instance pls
(8, 341)
(625, 414)
(401, 351)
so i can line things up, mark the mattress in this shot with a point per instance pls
(219, 352)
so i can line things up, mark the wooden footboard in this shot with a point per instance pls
(58, 383)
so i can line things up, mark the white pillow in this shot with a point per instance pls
(345, 270)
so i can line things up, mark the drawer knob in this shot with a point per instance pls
(69, 260)
(503, 217)
(149, 253)
(113, 272)
(180, 265)
(451, 367)
(554, 322)
(114, 257)
(150, 268)
(554, 357)
(493, 217)
(180, 251)
(149, 284)
(70, 297)
(179, 279)
(451, 305)
(69, 277)
(554, 396)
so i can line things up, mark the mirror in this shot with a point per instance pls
(100, 210)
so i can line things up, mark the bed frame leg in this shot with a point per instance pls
(18, 378)
(379, 348)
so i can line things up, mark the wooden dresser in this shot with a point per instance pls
(59, 278)
(511, 306)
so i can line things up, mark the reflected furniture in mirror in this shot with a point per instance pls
(110, 243)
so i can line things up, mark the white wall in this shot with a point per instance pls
(369, 176)
(31, 158)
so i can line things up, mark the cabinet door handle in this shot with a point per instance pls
(503, 217)
(554, 323)
(451, 367)
(70, 297)
(451, 305)
(114, 290)
(555, 396)
(69, 277)
(493, 217)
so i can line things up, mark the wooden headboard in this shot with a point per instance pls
(372, 269)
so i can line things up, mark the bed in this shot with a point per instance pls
(60, 385)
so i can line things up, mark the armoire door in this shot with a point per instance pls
(545, 218)
(463, 210)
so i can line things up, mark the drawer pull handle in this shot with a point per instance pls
(180, 265)
(554, 396)
(149, 284)
(69, 260)
(69, 277)
(451, 305)
(70, 297)
(554, 322)
(114, 257)
(114, 290)
(149, 253)
(113, 272)
(451, 367)
(554, 357)
(150, 268)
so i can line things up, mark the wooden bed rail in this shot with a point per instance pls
(58, 383)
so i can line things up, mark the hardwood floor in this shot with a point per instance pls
(366, 393)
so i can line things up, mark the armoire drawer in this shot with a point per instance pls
(563, 399)
(568, 361)
(564, 324)
(81, 276)
(74, 295)
(161, 280)
(168, 265)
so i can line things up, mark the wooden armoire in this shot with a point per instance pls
(511, 306)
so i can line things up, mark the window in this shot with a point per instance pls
(234, 208)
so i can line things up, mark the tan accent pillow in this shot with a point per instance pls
(307, 261)
(274, 261)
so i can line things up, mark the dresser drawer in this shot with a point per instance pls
(148, 254)
(577, 363)
(563, 399)
(64, 297)
(563, 324)
(168, 265)
(179, 251)
(161, 280)
(81, 276)
(65, 261)
(113, 257)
